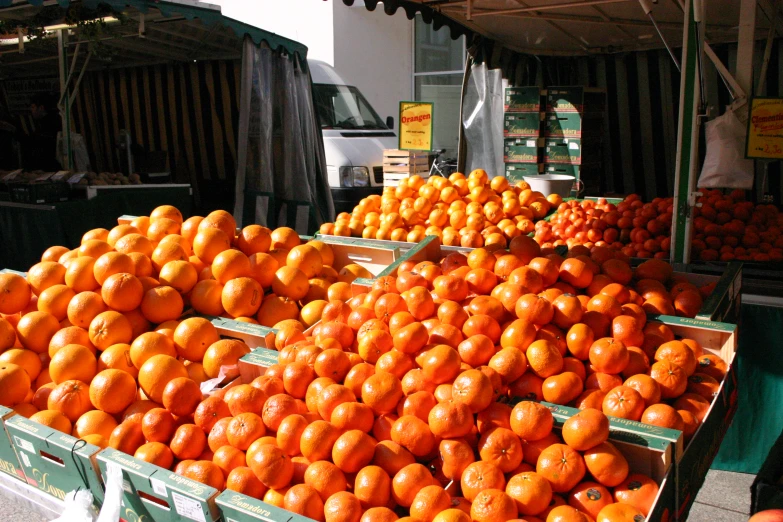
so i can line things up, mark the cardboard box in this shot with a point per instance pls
(153, 493)
(565, 99)
(52, 461)
(9, 462)
(521, 150)
(724, 303)
(517, 171)
(574, 151)
(522, 99)
(570, 125)
(719, 339)
(254, 335)
(256, 362)
(236, 507)
(522, 124)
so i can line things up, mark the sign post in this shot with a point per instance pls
(765, 129)
(416, 125)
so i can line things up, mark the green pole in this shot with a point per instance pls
(687, 142)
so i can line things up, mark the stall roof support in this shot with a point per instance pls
(768, 51)
(745, 42)
(549, 7)
(62, 37)
(687, 142)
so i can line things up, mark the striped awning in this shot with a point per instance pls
(207, 14)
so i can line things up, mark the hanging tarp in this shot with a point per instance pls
(281, 172)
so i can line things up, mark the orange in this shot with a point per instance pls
(391, 457)
(624, 402)
(161, 304)
(122, 292)
(317, 440)
(27, 359)
(353, 450)
(54, 300)
(244, 429)
(188, 442)
(230, 264)
(473, 389)
(271, 466)
(372, 487)
(342, 507)
(206, 296)
(180, 275)
(148, 344)
(156, 373)
(677, 353)
(663, 415)
(450, 419)
(637, 490)
(290, 282)
(671, 378)
(480, 476)
(155, 453)
(408, 481)
(181, 396)
(79, 274)
(206, 472)
(94, 422)
(35, 330)
(220, 219)
(242, 297)
(112, 391)
(242, 480)
(544, 358)
(586, 429)
(414, 435)
(83, 308)
(305, 501)
(428, 502)
(530, 491)
(53, 253)
(493, 505)
(608, 356)
(531, 421)
(158, 425)
(70, 335)
(452, 515)
(606, 464)
(193, 336)
(590, 498)
(209, 242)
(501, 447)
(253, 239)
(618, 512)
(71, 398)
(53, 419)
(45, 274)
(73, 362)
(108, 328)
(562, 466)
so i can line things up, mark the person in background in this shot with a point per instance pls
(40, 148)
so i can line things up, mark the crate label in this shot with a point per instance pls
(25, 459)
(187, 507)
(531, 143)
(76, 178)
(12, 175)
(158, 486)
(573, 146)
(23, 444)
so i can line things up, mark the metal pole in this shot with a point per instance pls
(66, 114)
(746, 40)
(687, 142)
(671, 53)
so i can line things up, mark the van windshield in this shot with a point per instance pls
(344, 107)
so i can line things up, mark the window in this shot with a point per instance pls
(344, 107)
(438, 68)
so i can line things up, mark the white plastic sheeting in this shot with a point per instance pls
(482, 120)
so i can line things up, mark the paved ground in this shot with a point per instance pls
(725, 497)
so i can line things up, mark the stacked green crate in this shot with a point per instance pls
(521, 132)
(573, 125)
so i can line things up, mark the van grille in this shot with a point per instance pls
(378, 174)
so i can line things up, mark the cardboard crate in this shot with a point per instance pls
(522, 99)
(565, 99)
(719, 339)
(724, 303)
(236, 507)
(52, 461)
(9, 461)
(393, 180)
(574, 151)
(521, 124)
(521, 150)
(570, 125)
(517, 171)
(426, 250)
(253, 335)
(153, 493)
(256, 363)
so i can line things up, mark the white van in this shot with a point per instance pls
(354, 137)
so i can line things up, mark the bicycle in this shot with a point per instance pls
(443, 167)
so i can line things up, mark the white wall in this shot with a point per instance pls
(373, 51)
(306, 21)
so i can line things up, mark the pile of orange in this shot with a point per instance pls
(470, 211)
(389, 406)
(726, 227)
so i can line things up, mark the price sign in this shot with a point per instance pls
(765, 129)
(44, 177)
(60, 175)
(416, 125)
(76, 178)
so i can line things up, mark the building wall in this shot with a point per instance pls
(373, 51)
(306, 21)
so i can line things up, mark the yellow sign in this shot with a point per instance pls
(765, 129)
(416, 126)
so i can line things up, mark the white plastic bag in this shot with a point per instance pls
(78, 507)
(112, 501)
(725, 165)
